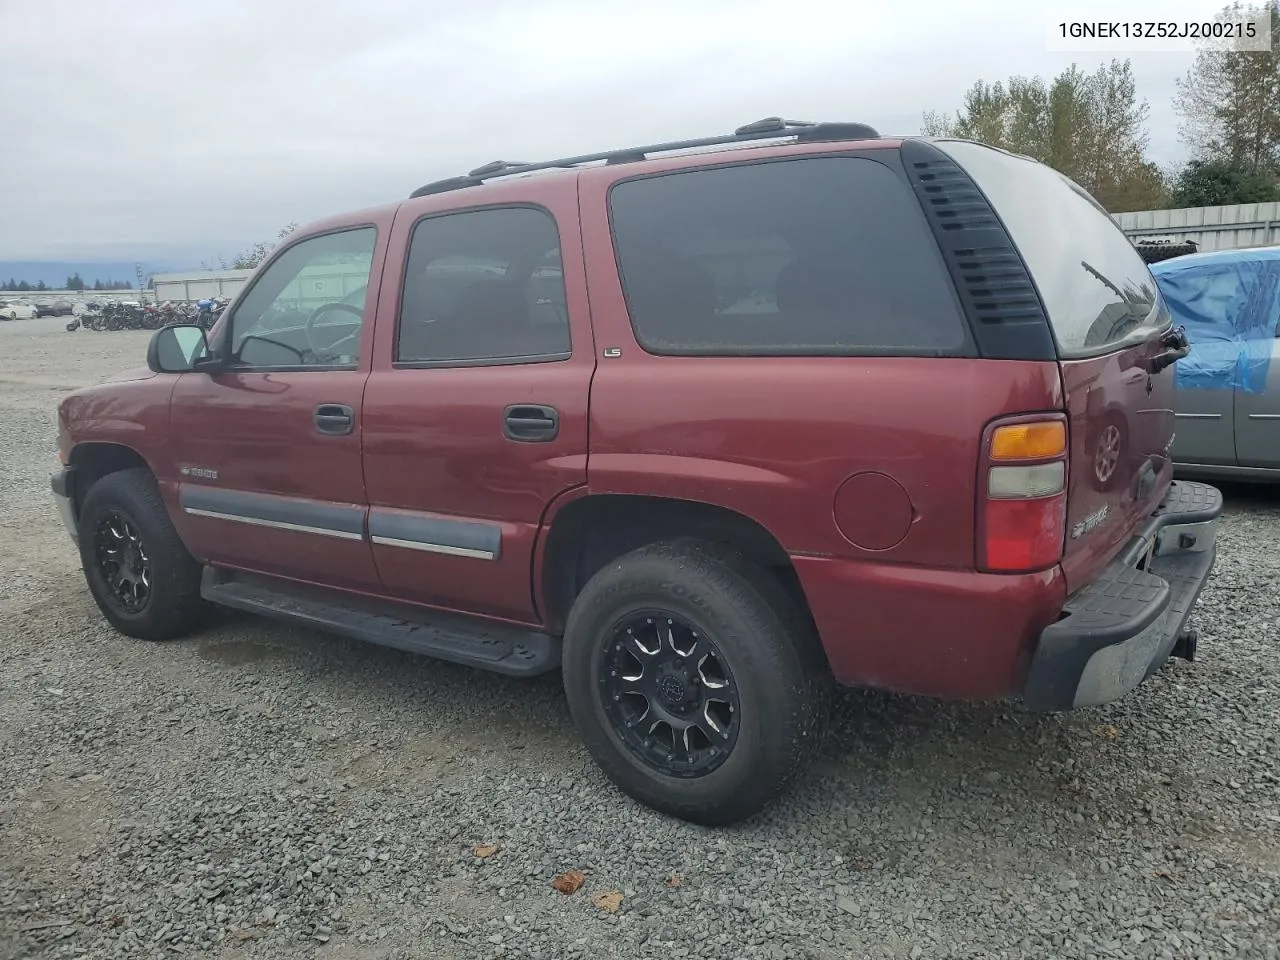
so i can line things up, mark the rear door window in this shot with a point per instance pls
(1096, 289)
(823, 255)
(484, 286)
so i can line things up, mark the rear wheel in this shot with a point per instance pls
(696, 682)
(141, 576)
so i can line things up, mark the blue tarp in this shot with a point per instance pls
(1229, 301)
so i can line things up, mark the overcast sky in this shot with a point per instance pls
(178, 130)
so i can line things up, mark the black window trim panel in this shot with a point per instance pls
(970, 250)
(966, 350)
(446, 364)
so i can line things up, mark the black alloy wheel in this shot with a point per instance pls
(140, 574)
(670, 695)
(697, 682)
(122, 562)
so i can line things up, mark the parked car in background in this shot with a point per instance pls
(53, 308)
(1227, 401)
(704, 432)
(16, 310)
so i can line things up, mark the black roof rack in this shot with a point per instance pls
(770, 128)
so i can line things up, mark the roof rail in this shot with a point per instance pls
(770, 128)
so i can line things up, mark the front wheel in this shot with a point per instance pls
(696, 682)
(141, 576)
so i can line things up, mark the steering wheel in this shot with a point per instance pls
(309, 329)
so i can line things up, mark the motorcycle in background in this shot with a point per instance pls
(209, 310)
(127, 315)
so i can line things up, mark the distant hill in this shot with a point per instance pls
(54, 273)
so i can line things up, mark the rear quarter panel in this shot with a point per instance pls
(775, 438)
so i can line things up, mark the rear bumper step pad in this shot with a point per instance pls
(1120, 628)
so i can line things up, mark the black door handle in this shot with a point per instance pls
(530, 423)
(336, 419)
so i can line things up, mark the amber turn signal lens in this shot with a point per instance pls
(1029, 441)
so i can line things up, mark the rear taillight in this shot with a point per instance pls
(1022, 515)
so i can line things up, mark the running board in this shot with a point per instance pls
(497, 647)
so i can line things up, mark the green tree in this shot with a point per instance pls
(1212, 183)
(1230, 101)
(249, 259)
(23, 287)
(1089, 126)
(40, 287)
(74, 282)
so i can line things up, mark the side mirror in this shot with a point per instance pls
(178, 349)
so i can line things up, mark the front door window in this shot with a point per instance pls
(308, 308)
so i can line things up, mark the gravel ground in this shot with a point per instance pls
(266, 792)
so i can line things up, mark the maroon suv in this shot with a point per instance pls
(703, 424)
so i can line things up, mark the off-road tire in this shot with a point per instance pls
(175, 606)
(769, 643)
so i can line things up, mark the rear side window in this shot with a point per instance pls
(1096, 289)
(825, 255)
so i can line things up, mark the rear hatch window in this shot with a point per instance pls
(1099, 294)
